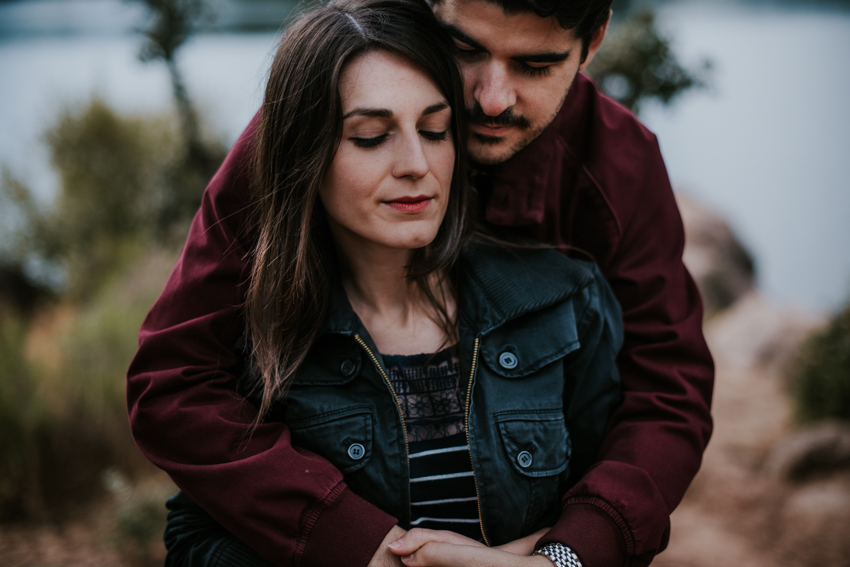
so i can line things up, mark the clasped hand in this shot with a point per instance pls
(434, 548)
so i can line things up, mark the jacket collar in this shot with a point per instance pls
(498, 283)
(340, 317)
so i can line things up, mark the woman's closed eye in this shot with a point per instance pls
(434, 136)
(375, 141)
(370, 141)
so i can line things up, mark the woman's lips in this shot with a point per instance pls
(410, 204)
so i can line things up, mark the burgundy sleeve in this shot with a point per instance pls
(618, 513)
(289, 504)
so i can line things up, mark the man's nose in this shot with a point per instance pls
(493, 90)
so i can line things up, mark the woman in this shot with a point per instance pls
(457, 384)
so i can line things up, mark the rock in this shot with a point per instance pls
(755, 332)
(820, 449)
(812, 524)
(723, 269)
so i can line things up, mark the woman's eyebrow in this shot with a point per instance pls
(385, 113)
(435, 108)
(370, 112)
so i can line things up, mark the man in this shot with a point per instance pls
(559, 162)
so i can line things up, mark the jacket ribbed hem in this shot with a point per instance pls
(594, 530)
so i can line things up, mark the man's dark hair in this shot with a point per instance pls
(582, 16)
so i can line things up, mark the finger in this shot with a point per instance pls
(417, 537)
(449, 555)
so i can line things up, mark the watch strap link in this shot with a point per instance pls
(559, 554)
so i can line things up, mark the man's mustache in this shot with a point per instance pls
(506, 118)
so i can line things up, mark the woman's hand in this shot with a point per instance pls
(435, 548)
(436, 554)
(417, 537)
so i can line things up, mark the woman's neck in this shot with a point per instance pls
(394, 310)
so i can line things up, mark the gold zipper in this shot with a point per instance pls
(365, 347)
(466, 419)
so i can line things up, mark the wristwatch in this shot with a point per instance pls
(560, 555)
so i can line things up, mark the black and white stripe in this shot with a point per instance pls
(442, 488)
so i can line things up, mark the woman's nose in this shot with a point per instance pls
(411, 159)
(493, 89)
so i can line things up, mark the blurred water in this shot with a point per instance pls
(769, 147)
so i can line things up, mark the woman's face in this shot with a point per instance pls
(388, 183)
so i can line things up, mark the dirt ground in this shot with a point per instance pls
(734, 514)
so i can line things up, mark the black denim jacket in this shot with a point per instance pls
(539, 334)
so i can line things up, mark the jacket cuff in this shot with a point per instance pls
(347, 532)
(588, 527)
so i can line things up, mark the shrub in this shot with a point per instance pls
(636, 63)
(63, 417)
(22, 423)
(125, 182)
(820, 381)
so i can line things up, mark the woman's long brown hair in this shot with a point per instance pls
(300, 129)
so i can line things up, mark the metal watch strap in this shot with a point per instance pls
(560, 555)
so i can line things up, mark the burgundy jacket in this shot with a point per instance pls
(594, 180)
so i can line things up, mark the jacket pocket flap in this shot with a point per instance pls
(332, 360)
(344, 437)
(536, 444)
(522, 346)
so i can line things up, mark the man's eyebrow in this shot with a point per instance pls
(370, 112)
(435, 108)
(546, 57)
(459, 35)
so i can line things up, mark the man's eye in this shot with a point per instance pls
(532, 71)
(434, 136)
(368, 142)
(466, 52)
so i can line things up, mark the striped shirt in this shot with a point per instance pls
(442, 488)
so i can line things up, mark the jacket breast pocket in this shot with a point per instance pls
(343, 437)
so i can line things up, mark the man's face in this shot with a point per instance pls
(517, 71)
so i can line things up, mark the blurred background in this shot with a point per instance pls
(115, 113)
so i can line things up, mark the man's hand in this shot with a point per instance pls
(417, 537)
(523, 545)
(383, 557)
(437, 548)
(434, 554)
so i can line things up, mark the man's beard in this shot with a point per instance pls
(508, 118)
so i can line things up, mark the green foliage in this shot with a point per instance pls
(139, 515)
(22, 422)
(636, 63)
(820, 381)
(63, 417)
(172, 23)
(125, 182)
